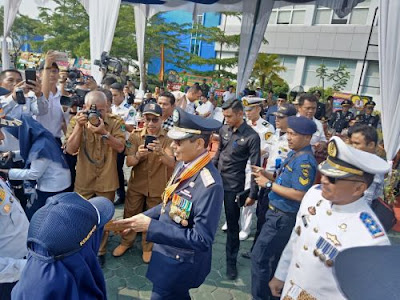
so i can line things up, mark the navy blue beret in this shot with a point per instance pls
(302, 125)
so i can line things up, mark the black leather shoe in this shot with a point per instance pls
(231, 272)
(101, 259)
(246, 254)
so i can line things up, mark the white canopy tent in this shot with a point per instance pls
(103, 16)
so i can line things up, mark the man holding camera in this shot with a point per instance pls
(53, 120)
(98, 137)
(15, 103)
(149, 153)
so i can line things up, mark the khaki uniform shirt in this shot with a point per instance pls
(96, 167)
(150, 176)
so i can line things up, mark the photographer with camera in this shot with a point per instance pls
(149, 153)
(53, 120)
(18, 101)
(97, 138)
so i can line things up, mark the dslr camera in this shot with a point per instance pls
(77, 95)
(93, 115)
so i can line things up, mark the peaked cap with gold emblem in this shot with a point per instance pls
(250, 102)
(345, 161)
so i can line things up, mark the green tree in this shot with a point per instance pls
(65, 29)
(340, 77)
(267, 68)
(322, 73)
(124, 41)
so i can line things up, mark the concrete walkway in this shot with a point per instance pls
(125, 276)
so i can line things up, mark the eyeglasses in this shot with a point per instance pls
(154, 120)
(333, 180)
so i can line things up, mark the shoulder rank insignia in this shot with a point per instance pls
(305, 166)
(267, 135)
(304, 181)
(207, 177)
(2, 195)
(373, 227)
(265, 123)
(127, 105)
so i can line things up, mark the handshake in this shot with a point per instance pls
(138, 223)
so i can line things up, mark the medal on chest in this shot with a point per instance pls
(180, 210)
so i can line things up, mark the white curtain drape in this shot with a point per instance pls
(10, 11)
(141, 14)
(103, 16)
(255, 18)
(389, 70)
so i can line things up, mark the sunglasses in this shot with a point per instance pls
(333, 180)
(154, 120)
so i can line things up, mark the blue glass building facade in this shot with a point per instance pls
(189, 42)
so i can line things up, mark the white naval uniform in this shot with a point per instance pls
(275, 144)
(126, 111)
(330, 229)
(265, 130)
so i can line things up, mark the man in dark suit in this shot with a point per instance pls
(183, 227)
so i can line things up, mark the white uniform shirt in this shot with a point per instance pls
(277, 146)
(50, 176)
(319, 135)
(126, 111)
(54, 118)
(326, 230)
(13, 234)
(227, 95)
(190, 107)
(265, 130)
(205, 108)
(32, 106)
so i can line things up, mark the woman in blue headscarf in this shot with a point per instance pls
(46, 172)
(62, 260)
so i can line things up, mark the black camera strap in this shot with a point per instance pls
(91, 160)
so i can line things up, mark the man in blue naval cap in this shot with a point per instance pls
(293, 179)
(183, 227)
(333, 216)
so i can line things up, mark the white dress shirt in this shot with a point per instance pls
(205, 108)
(126, 111)
(54, 118)
(33, 106)
(50, 176)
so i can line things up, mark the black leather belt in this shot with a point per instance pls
(274, 209)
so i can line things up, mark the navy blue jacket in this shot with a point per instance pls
(181, 256)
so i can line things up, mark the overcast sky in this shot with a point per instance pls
(30, 7)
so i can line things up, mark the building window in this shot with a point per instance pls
(292, 14)
(359, 15)
(371, 84)
(195, 43)
(310, 78)
(290, 63)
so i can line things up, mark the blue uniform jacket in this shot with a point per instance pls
(181, 256)
(298, 173)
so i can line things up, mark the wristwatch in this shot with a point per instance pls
(105, 136)
(268, 185)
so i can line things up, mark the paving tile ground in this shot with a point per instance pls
(125, 276)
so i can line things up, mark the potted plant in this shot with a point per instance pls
(392, 194)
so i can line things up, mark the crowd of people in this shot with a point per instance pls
(308, 173)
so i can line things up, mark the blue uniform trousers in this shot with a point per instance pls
(161, 294)
(261, 210)
(267, 250)
(232, 213)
